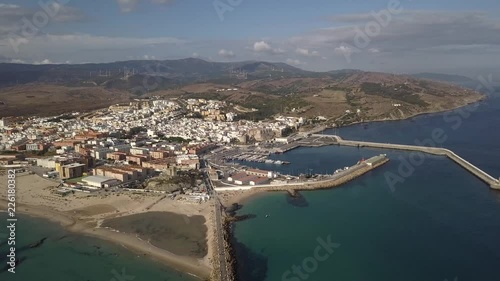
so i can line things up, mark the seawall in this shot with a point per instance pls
(488, 179)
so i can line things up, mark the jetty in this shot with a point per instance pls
(485, 177)
(225, 263)
(339, 178)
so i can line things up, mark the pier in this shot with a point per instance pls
(485, 177)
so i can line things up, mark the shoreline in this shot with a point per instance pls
(188, 265)
(243, 196)
(484, 98)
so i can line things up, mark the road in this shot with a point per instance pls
(224, 273)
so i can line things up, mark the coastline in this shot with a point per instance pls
(83, 214)
(78, 226)
(483, 98)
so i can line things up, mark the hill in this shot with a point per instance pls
(272, 88)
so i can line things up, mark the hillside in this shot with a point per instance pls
(273, 88)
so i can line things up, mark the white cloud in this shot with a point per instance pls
(294, 62)
(264, 47)
(195, 55)
(261, 47)
(409, 31)
(226, 53)
(127, 6)
(306, 52)
(45, 61)
(16, 60)
(163, 1)
(344, 50)
(12, 16)
(8, 6)
(85, 47)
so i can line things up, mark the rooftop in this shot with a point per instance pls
(97, 179)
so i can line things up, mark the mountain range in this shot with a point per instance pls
(271, 88)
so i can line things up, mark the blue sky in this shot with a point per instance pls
(441, 36)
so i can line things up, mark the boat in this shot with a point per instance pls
(279, 162)
(269, 161)
(267, 216)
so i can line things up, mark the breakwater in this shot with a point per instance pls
(346, 176)
(226, 255)
(488, 179)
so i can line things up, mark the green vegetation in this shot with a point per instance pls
(207, 96)
(75, 180)
(8, 152)
(136, 130)
(268, 107)
(351, 100)
(399, 92)
(41, 153)
(296, 87)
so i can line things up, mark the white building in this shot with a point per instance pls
(4, 122)
(100, 181)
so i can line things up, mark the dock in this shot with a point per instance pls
(485, 177)
(339, 178)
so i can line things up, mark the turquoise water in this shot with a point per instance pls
(440, 224)
(68, 257)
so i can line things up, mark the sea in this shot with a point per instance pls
(417, 218)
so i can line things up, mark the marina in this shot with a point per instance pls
(252, 157)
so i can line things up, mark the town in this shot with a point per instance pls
(153, 145)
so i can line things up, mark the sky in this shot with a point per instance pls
(398, 36)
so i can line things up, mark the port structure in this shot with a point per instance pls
(485, 177)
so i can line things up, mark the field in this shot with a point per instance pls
(373, 94)
(49, 100)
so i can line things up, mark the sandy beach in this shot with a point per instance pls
(84, 213)
(240, 197)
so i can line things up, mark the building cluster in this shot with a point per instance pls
(212, 110)
(130, 142)
(252, 177)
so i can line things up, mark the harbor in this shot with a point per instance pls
(493, 182)
(336, 178)
(252, 157)
(227, 264)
